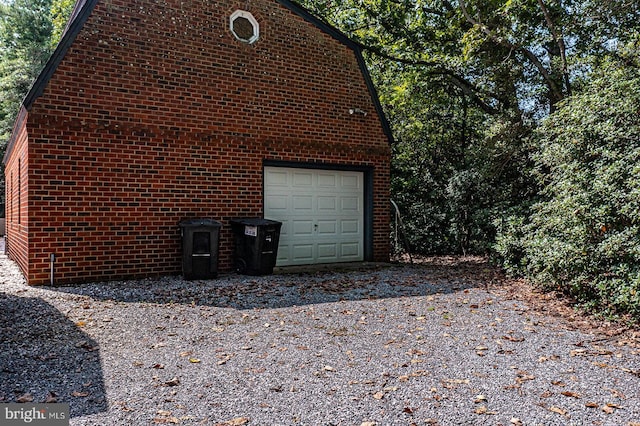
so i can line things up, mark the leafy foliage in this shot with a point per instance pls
(27, 38)
(451, 172)
(583, 236)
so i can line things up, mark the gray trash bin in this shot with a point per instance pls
(200, 239)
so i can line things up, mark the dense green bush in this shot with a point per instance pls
(583, 236)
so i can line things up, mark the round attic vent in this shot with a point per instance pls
(244, 26)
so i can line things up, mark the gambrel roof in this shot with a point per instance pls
(83, 8)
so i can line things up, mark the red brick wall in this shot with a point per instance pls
(16, 196)
(157, 114)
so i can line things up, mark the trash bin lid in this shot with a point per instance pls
(188, 223)
(255, 221)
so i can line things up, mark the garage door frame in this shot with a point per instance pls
(367, 178)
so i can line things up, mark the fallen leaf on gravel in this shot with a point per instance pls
(516, 421)
(276, 388)
(559, 410)
(25, 398)
(571, 394)
(408, 410)
(607, 409)
(173, 382)
(328, 368)
(166, 420)
(523, 376)
(484, 410)
(79, 394)
(158, 366)
(558, 383)
(194, 360)
(479, 399)
(51, 398)
(591, 405)
(616, 393)
(123, 407)
(238, 421)
(378, 395)
(513, 338)
(451, 383)
(186, 353)
(368, 424)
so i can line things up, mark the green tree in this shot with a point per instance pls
(464, 82)
(29, 31)
(583, 237)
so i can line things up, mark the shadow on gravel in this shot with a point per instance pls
(46, 358)
(435, 276)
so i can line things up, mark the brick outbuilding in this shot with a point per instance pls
(150, 112)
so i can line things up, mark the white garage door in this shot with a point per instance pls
(321, 213)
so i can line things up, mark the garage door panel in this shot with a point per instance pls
(349, 204)
(327, 180)
(277, 177)
(321, 211)
(284, 229)
(302, 227)
(278, 203)
(328, 252)
(327, 227)
(327, 204)
(283, 253)
(349, 250)
(302, 252)
(303, 179)
(302, 204)
(351, 181)
(350, 227)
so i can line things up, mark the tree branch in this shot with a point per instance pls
(551, 84)
(559, 40)
(460, 82)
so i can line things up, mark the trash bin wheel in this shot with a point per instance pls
(241, 266)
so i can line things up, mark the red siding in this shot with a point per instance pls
(157, 113)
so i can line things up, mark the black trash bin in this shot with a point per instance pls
(256, 245)
(200, 239)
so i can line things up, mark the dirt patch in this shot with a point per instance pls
(548, 304)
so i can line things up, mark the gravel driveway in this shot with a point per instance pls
(442, 343)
